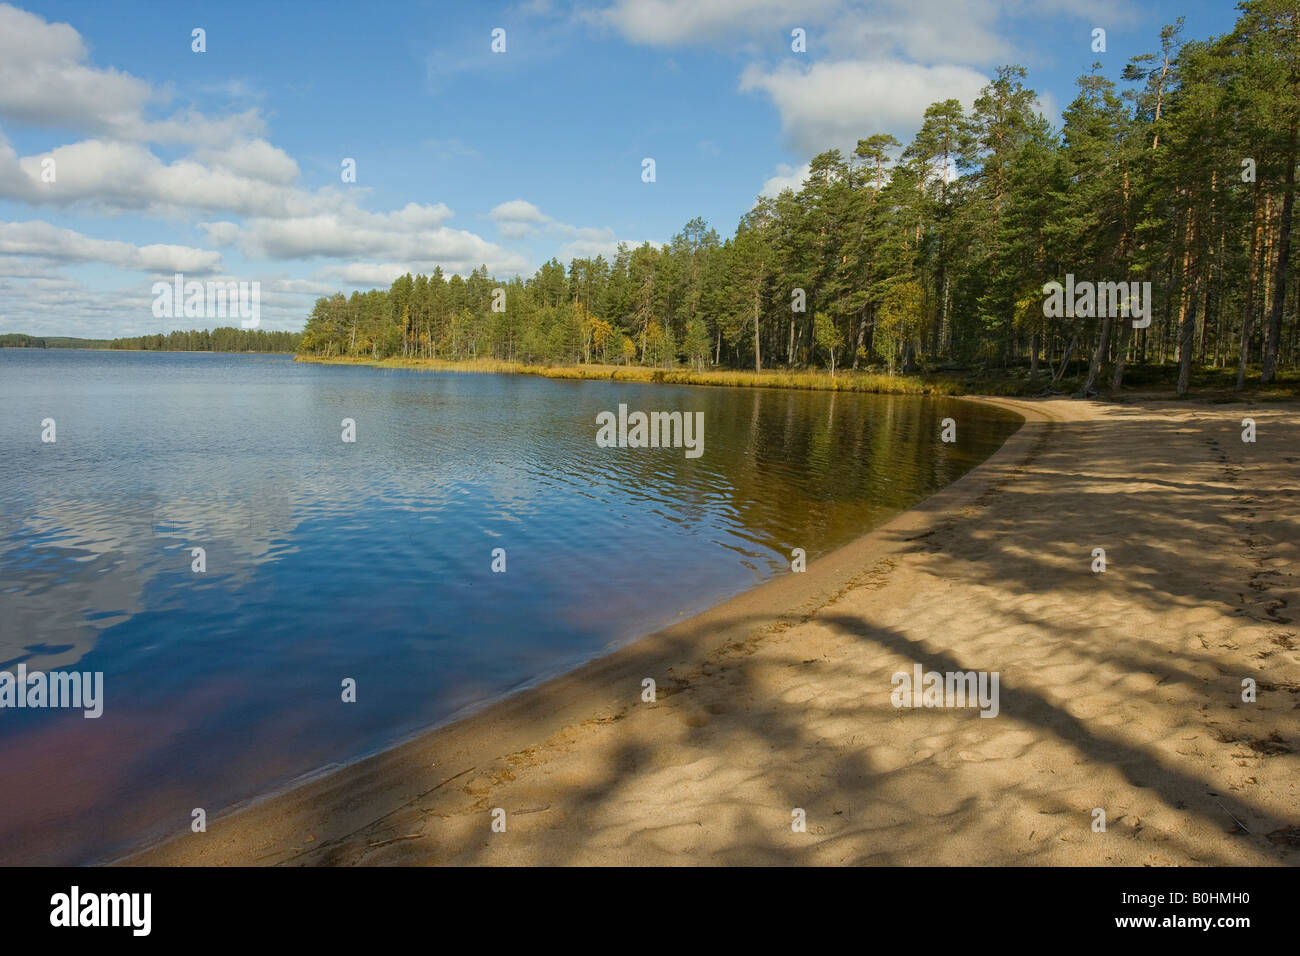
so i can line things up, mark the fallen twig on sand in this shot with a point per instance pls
(409, 836)
(1234, 819)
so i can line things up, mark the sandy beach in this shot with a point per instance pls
(1119, 691)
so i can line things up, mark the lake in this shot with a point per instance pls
(372, 560)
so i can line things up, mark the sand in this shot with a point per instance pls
(1119, 691)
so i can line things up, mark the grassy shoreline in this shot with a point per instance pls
(843, 381)
(1212, 385)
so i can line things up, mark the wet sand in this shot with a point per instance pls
(1119, 691)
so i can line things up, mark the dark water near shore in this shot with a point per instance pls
(371, 560)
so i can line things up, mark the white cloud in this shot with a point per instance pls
(926, 30)
(333, 236)
(413, 234)
(114, 176)
(45, 80)
(65, 245)
(28, 266)
(517, 210)
(254, 159)
(836, 104)
(673, 22)
(221, 233)
(517, 218)
(1047, 105)
(301, 287)
(369, 274)
(787, 177)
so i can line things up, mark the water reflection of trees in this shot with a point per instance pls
(808, 469)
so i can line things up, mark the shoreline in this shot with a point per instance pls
(846, 380)
(749, 719)
(973, 384)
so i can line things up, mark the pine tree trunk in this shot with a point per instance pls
(1274, 341)
(1121, 354)
(1094, 367)
(1187, 303)
(1188, 338)
(862, 332)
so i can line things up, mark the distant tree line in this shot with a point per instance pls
(17, 340)
(224, 339)
(1181, 173)
(196, 340)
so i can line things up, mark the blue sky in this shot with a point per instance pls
(226, 164)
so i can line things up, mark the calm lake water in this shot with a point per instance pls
(371, 560)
